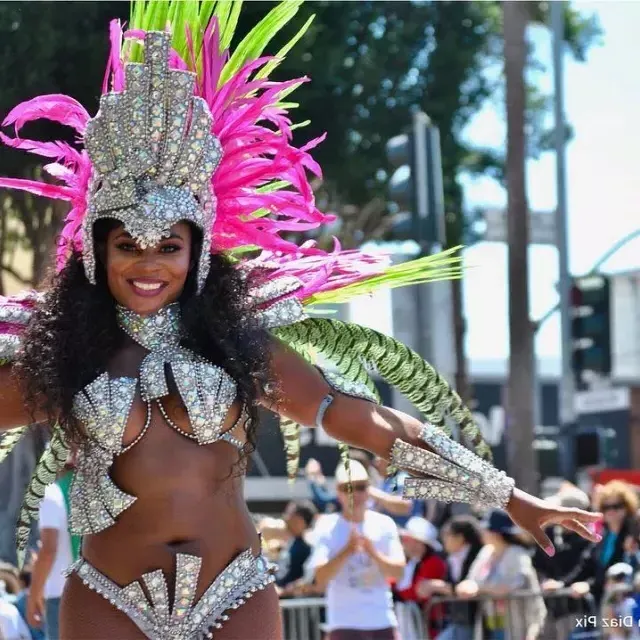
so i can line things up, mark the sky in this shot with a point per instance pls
(602, 102)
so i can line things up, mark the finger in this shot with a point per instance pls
(557, 516)
(581, 530)
(580, 515)
(543, 541)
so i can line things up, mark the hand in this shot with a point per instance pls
(426, 588)
(35, 609)
(534, 515)
(313, 469)
(551, 585)
(580, 589)
(467, 589)
(366, 546)
(354, 543)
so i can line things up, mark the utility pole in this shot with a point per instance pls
(520, 390)
(567, 385)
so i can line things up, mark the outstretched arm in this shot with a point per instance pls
(300, 390)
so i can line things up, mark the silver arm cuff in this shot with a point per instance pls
(455, 473)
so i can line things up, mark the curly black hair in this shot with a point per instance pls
(74, 332)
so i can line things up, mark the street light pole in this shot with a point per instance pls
(567, 386)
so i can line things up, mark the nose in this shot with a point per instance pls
(147, 262)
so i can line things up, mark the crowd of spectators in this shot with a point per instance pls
(370, 553)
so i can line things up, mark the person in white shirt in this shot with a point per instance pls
(356, 553)
(55, 555)
(12, 626)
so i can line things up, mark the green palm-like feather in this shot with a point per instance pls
(9, 440)
(445, 265)
(195, 15)
(350, 345)
(50, 464)
(290, 429)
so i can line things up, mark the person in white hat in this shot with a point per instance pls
(424, 564)
(357, 553)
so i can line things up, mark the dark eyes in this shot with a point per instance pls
(133, 247)
(127, 246)
(170, 248)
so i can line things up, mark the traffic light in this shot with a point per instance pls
(416, 184)
(591, 328)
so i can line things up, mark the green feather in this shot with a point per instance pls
(9, 440)
(255, 42)
(270, 66)
(400, 366)
(227, 29)
(290, 429)
(50, 464)
(445, 265)
(154, 15)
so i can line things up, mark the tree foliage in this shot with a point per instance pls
(45, 47)
(370, 64)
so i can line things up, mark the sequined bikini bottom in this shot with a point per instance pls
(187, 619)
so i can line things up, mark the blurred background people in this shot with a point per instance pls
(424, 564)
(617, 602)
(299, 517)
(462, 541)
(503, 566)
(618, 503)
(58, 549)
(356, 554)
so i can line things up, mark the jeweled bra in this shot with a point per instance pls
(103, 408)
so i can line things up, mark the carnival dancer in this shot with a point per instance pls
(177, 309)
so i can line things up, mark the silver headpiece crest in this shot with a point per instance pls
(153, 156)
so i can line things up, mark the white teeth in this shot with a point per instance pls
(146, 286)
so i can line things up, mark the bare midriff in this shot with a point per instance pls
(189, 500)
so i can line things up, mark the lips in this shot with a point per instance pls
(147, 287)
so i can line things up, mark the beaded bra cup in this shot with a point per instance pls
(104, 405)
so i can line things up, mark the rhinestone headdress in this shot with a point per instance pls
(153, 155)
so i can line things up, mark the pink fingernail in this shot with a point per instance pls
(550, 551)
(598, 537)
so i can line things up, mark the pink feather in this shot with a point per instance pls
(258, 148)
(56, 107)
(55, 192)
(57, 150)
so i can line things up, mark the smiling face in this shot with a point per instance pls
(145, 280)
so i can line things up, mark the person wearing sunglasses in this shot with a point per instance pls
(357, 553)
(618, 503)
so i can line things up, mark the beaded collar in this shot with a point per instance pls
(159, 331)
(103, 407)
(206, 390)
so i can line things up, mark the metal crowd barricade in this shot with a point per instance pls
(303, 618)
(567, 618)
(516, 615)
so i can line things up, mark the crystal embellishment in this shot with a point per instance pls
(186, 619)
(104, 405)
(453, 473)
(103, 408)
(207, 391)
(153, 156)
(348, 387)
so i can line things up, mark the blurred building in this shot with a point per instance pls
(606, 435)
